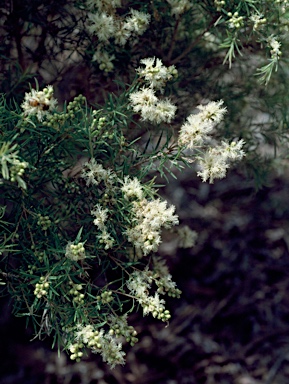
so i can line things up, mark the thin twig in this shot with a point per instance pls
(194, 43)
(173, 41)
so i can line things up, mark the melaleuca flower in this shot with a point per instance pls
(39, 103)
(155, 73)
(101, 25)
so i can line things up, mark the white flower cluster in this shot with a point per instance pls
(275, 46)
(144, 101)
(101, 215)
(194, 133)
(179, 6)
(75, 251)
(139, 285)
(155, 73)
(94, 173)
(163, 278)
(106, 25)
(39, 103)
(149, 217)
(99, 342)
(132, 188)
(215, 161)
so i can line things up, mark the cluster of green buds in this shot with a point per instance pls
(31, 269)
(97, 126)
(38, 254)
(165, 286)
(75, 251)
(94, 340)
(43, 221)
(76, 352)
(101, 122)
(41, 288)
(78, 297)
(75, 105)
(161, 314)
(129, 333)
(85, 336)
(57, 119)
(235, 20)
(174, 292)
(17, 169)
(258, 21)
(105, 297)
(219, 4)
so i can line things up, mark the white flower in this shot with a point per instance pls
(101, 215)
(99, 342)
(197, 127)
(234, 150)
(142, 99)
(162, 111)
(275, 48)
(111, 350)
(194, 131)
(137, 22)
(139, 284)
(149, 219)
(106, 239)
(151, 108)
(39, 103)
(155, 73)
(213, 165)
(94, 173)
(132, 188)
(102, 25)
(122, 33)
(215, 161)
(213, 111)
(84, 334)
(164, 280)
